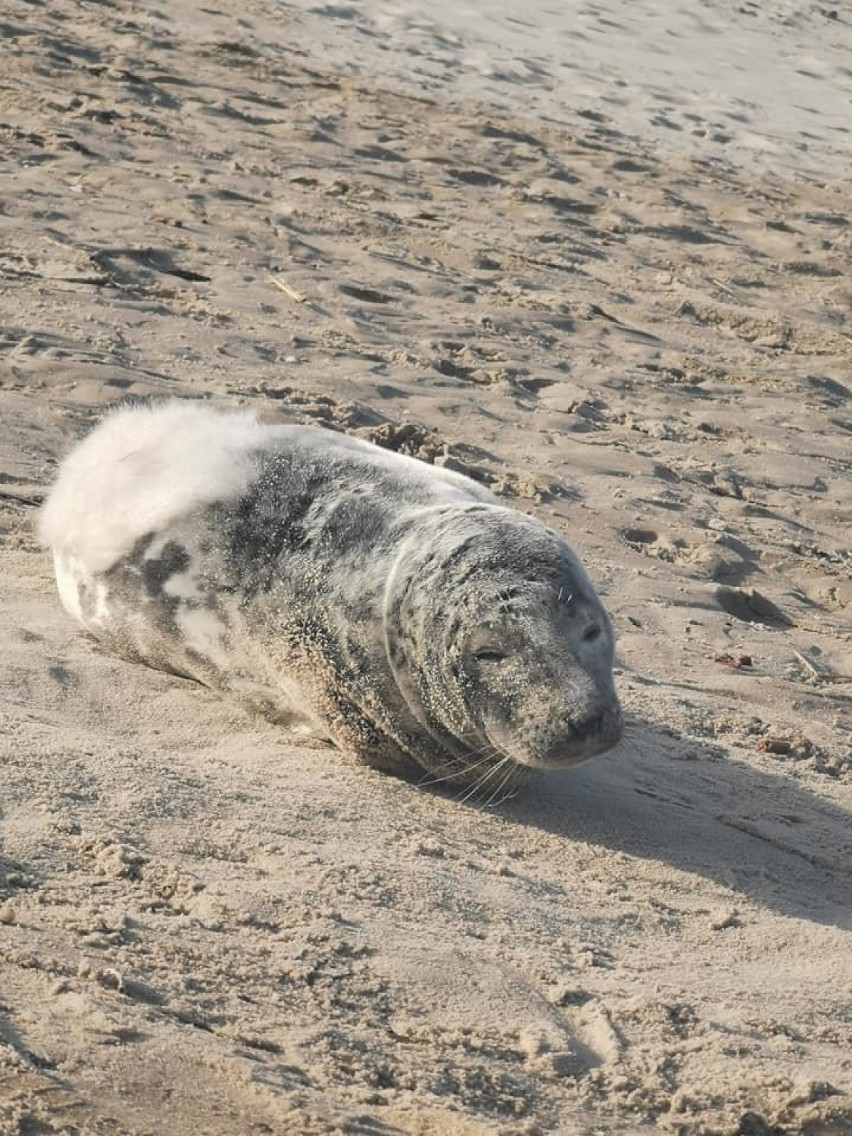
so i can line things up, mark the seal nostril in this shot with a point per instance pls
(591, 633)
(593, 725)
(585, 727)
(596, 724)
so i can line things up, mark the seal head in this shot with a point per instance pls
(499, 644)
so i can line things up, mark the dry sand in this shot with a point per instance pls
(207, 929)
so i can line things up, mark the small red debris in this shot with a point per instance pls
(734, 663)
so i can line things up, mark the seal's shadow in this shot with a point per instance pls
(666, 799)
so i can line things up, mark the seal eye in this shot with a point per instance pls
(591, 633)
(489, 655)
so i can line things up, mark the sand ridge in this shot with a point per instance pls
(206, 927)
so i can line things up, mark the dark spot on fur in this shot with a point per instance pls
(60, 673)
(156, 570)
(140, 548)
(153, 571)
(289, 512)
(149, 575)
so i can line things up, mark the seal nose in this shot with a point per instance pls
(588, 735)
(580, 738)
(603, 725)
(588, 726)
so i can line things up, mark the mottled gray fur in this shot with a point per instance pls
(396, 608)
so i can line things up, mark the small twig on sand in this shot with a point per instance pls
(21, 498)
(284, 287)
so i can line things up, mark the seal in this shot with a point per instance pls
(393, 607)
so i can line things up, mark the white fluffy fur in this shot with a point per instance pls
(141, 468)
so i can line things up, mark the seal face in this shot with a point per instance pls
(394, 607)
(500, 646)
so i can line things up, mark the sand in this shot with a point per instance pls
(617, 291)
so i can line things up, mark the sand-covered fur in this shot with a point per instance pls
(424, 626)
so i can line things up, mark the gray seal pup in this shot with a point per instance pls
(393, 607)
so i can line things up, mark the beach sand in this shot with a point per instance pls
(600, 259)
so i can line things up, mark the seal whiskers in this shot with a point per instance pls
(478, 787)
(459, 771)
